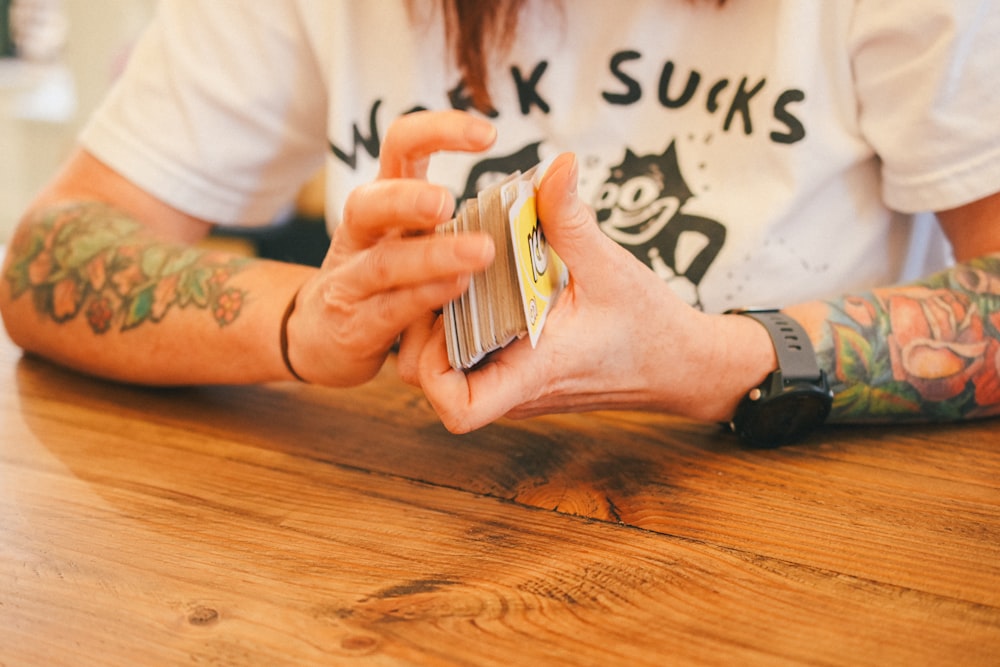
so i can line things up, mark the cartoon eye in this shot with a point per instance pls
(608, 196)
(637, 193)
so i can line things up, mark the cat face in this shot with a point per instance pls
(641, 195)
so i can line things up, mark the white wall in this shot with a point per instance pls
(43, 106)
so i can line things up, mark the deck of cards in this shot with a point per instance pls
(514, 295)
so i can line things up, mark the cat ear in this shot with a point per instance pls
(671, 152)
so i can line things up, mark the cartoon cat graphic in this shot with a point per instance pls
(640, 206)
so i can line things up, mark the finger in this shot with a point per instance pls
(466, 401)
(413, 138)
(569, 224)
(408, 262)
(411, 344)
(375, 323)
(446, 389)
(398, 206)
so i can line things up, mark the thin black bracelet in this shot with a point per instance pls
(284, 337)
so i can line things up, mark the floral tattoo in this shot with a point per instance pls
(93, 259)
(928, 350)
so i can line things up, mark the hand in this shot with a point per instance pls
(385, 267)
(618, 337)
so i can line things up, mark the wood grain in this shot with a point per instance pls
(291, 525)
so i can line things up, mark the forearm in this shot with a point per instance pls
(925, 351)
(88, 287)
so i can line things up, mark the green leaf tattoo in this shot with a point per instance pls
(93, 259)
(929, 350)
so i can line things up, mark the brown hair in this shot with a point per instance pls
(478, 30)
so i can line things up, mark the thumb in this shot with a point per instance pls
(569, 224)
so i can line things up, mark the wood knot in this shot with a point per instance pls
(359, 644)
(201, 615)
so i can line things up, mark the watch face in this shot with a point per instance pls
(783, 418)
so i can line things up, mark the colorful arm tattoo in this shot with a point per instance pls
(93, 259)
(929, 350)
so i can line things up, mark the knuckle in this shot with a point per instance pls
(352, 230)
(353, 204)
(341, 314)
(385, 311)
(407, 372)
(455, 423)
(378, 264)
(393, 137)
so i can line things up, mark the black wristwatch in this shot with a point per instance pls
(792, 400)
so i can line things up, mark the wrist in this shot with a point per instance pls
(724, 357)
(793, 399)
(283, 342)
(746, 356)
(279, 336)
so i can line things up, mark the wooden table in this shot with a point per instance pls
(294, 525)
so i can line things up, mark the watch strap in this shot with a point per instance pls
(796, 357)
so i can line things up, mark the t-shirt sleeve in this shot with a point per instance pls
(220, 111)
(926, 77)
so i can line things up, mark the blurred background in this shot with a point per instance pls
(57, 59)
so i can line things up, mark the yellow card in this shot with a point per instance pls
(541, 274)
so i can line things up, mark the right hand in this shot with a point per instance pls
(385, 267)
(617, 338)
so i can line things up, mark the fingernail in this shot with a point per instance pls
(475, 248)
(574, 176)
(481, 132)
(431, 203)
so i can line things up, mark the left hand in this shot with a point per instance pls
(385, 266)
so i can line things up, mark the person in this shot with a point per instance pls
(704, 156)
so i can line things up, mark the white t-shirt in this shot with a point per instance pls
(751, 154)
